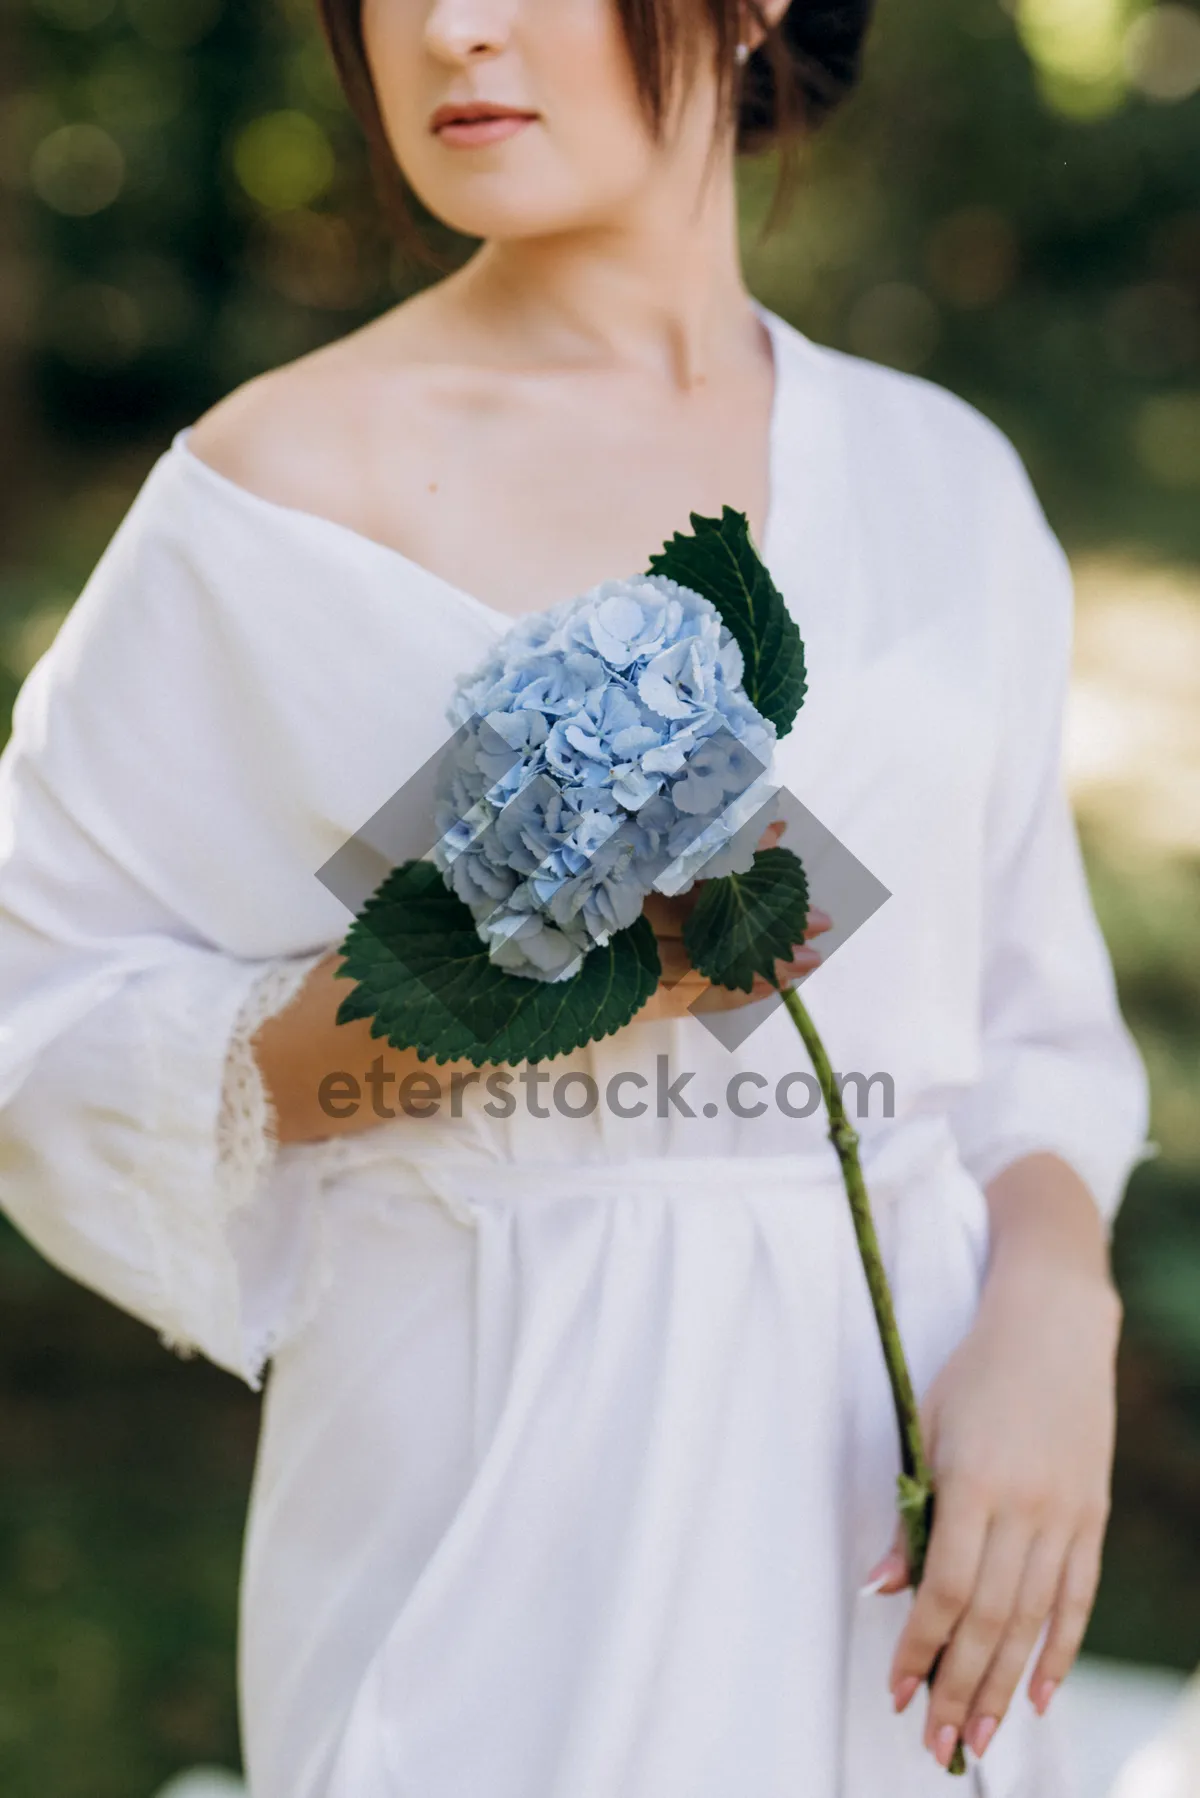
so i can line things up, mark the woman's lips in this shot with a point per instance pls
(474, 126)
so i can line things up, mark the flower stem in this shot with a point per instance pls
(915, 1484)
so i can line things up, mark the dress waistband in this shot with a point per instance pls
(891, 1159)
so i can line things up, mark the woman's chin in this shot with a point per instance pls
(496, 210)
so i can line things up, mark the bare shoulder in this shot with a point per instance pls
(308, 434)
(283, 434)
(366, 430)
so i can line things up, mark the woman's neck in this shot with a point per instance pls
(659, 288)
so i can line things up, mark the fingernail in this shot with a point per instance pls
(944, 1744)
(1042, 1696)
(873, 1586)
(981, 1733)
(903, 1695)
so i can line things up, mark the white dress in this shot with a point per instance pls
(577, 1440)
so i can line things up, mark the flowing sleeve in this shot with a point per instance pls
(142, 939)
(1059, 1069)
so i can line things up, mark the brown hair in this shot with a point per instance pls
(801, 70)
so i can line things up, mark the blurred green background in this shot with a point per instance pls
(1011, 207)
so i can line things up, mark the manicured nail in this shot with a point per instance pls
(945, 1743)
(980, 1733)
(1043, 1693)
(890, 1567)
(904, 1693)
(874, 1585)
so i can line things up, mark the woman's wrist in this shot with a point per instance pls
(325, 1079)
(1021, 1299)
(1048, 1246)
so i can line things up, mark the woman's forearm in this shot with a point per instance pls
(328, 1079)
(1044, 1220)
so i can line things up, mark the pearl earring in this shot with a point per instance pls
(742, 54)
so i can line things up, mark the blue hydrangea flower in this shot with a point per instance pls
(604, 750)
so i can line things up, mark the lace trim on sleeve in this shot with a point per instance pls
(246, 1124)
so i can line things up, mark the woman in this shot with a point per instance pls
(577, 1449)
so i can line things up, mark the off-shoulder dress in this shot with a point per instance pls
(577, 1441)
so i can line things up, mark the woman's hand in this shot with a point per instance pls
(681, 986)
(299, 1049)
(302, 1046)
(1019, 1428)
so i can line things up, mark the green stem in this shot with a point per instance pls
(845, 1140)
(916, 1481)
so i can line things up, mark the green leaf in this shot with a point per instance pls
(743, 923)
(425, 980)
(720, 561)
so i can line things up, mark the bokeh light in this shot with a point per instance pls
(78, 170)
(284, 159)
(1161, 53)
(1167, 436)
(126, 95)
(1077, 46)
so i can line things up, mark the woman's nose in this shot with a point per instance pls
(465, 30)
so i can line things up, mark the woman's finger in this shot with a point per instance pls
(978, 1633)
(818, 922)
(1039, 1585)
(679, 976)
(674, 961)
(890, 1572)
(665, 915)
(1072, 1608)
(771, 835)
(951, 1568)
(803, 962)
